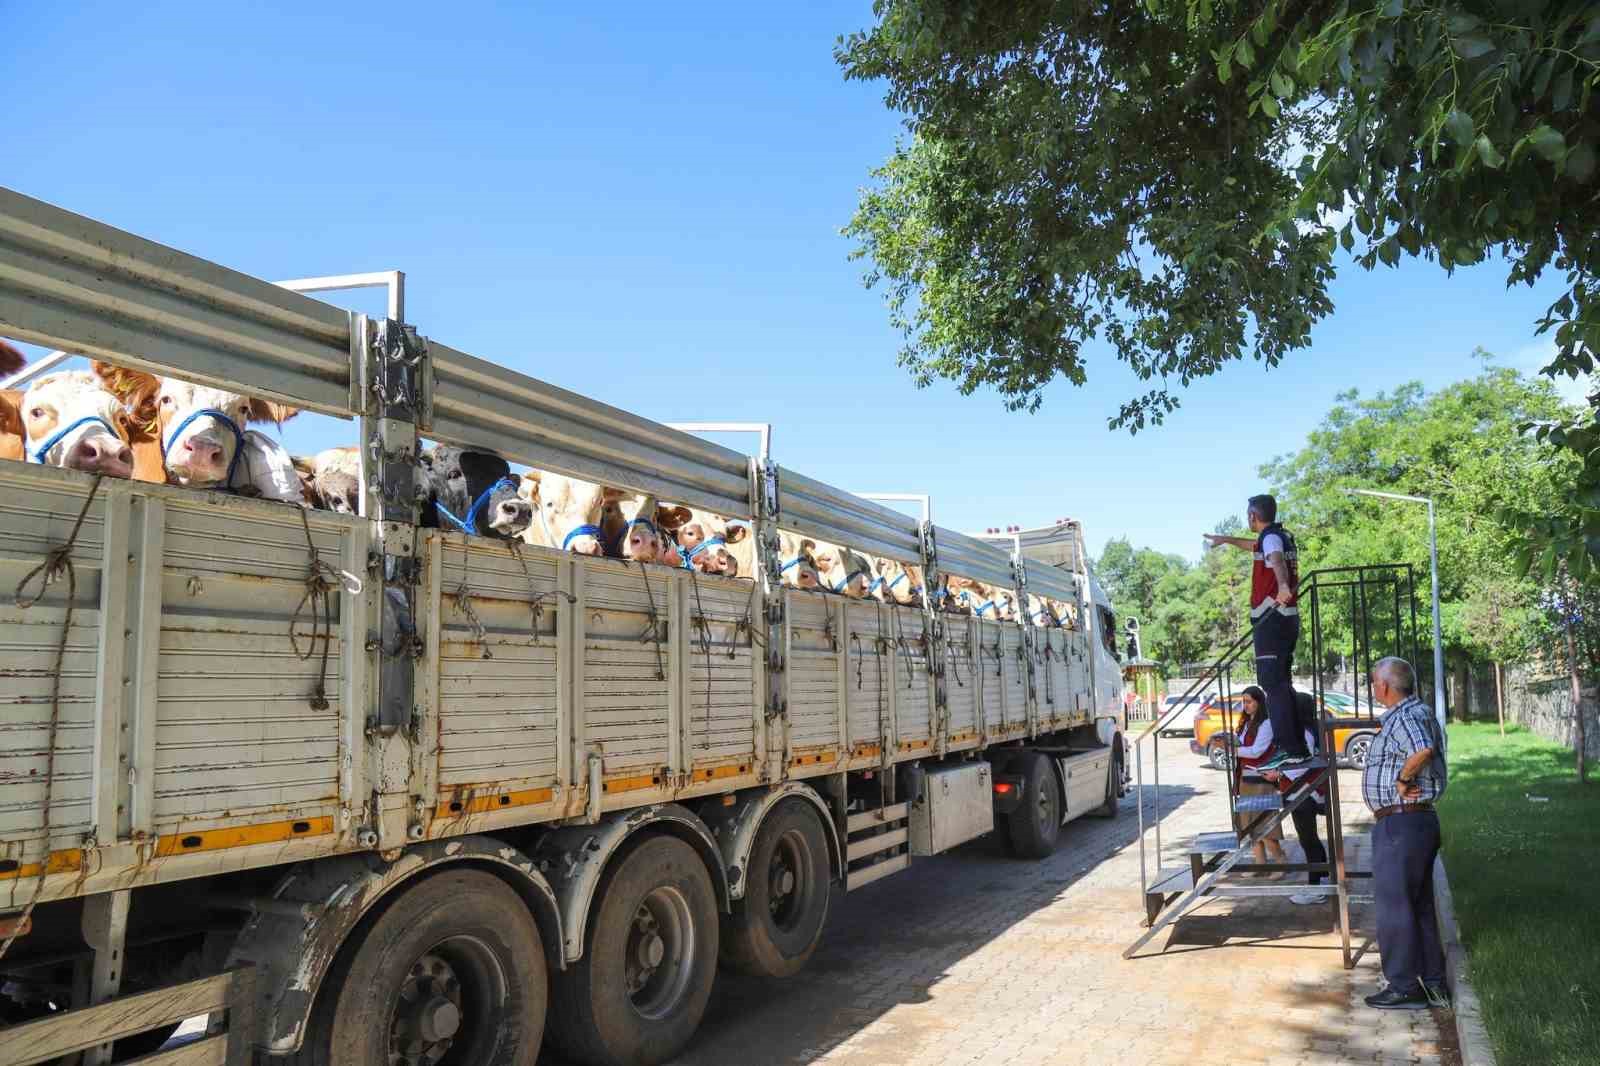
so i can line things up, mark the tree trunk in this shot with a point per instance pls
(1500, 697)
(1577, 700)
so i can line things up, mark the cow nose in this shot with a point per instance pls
(516, 513)
(101, 456)
(203, 452)
(586, 546)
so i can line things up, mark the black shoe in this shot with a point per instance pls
(1392, 998)
(1438, 995)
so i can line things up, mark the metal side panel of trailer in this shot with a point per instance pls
(188, 739)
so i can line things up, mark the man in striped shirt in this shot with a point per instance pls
(1405, 774)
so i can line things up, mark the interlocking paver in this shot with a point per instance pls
(977, 957)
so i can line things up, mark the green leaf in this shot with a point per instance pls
(1224, 67)
(1548, 142)
(1244, 53)
(1580, 162)
(1394, 9)
(1270, 106)
(1473, 47)
(1491, 157)
(1458, 124)
(1346, 238)
(1462, 22)
(1389, 251)
(1282, 85)
(1561, 92)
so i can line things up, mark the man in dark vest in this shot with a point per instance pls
(1274, 621)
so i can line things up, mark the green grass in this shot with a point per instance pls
(1526, 881)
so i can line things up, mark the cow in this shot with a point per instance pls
(981, 599)
(897, 582)
(798, 568)
(202, 436)
(332, 480)
(1042, 612)
(568, 513)
(11, 360)
(68, 420)
(471, 491)
(842, 570)
(711, 544)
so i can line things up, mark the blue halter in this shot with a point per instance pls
(44, 449)
(876, 583)
(588, 529)
(843, 581)
(688, 554)
(791, 564)
(220, 416)
(470, 523)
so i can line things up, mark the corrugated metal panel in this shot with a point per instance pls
(70, 282)
(235, 734)
(529, 421)
(626, 707)
(37, 509)
(808, 506)
(813, 669)
(913, 712)
(867, 681)
(964, 556)
(497, 714)
(1050, 581)
(997, 712)
(722, 679)
(961, 676)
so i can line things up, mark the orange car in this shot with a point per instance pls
(1353, 731)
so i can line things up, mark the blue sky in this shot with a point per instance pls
(643, 205)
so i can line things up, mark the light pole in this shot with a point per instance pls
(1433, 566)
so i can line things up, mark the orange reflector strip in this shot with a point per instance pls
(242, 836)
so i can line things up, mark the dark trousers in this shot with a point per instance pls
(1305, 827)
(1275, 637)
(1403, 849)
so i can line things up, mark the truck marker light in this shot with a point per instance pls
(1002, 788)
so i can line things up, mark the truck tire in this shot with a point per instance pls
(640, 990)
(1109, 808)
(453, 966)
(774, 930)
(1035, 825)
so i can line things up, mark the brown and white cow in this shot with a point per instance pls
(842, 570)
(713, 544)
(798, 566)
(68, 420)
(331, 480)
(567, 512)
(1042, 611)
(202, 434)
(897, 582)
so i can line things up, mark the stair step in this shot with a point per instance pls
(1171, 879)
(1213, 843)
(1270, 801)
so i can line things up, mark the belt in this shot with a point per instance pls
(1401, 808)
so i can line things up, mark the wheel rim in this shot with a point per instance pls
(660, 953)
(445, 1008)
(1358, 753)
(789, 880)
(1047, 805)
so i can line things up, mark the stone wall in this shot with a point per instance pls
(1541, 701)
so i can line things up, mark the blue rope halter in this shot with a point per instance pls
(220, 416)
(50, 442)
(688, 554)
(470, 523)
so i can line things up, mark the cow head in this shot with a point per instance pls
(798, 567)
(711, 544)
(71, 420)
(332, 480)
(631, 527)
(567, 512)
(843, 571)
(1042, 612)
(200, 428)
(899, 582)
(472, 491)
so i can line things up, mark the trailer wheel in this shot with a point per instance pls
(1109, 808)
(1035, 825)
(640, 990)
(453, 970)
(774, 930)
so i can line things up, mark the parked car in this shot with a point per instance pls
(1353, 732)
(1173, 702)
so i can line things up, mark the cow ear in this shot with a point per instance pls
(11, 412)
(11, 360)
(611, 495)
(529, 488)
(671, 516)
(136, 389)
(267, 411)
(735, 534)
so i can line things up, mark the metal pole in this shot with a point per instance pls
(1438, 643)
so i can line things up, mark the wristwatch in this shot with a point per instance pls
(1406, 780)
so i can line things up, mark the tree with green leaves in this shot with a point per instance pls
(1181, 177)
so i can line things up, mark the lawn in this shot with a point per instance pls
(1525, 876)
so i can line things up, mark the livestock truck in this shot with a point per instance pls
(364, 792)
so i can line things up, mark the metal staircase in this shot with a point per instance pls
(1367, 605)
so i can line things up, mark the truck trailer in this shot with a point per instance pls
(364, 792)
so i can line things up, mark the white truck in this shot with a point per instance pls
(487, 788)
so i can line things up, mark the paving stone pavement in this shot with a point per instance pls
(976, 957)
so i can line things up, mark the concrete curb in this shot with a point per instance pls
(1473, 1038)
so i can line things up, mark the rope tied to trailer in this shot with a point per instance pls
(321, 579)
(57, 564)
(702, 626)
(537, 600)
(462, 597)
(652, 633)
